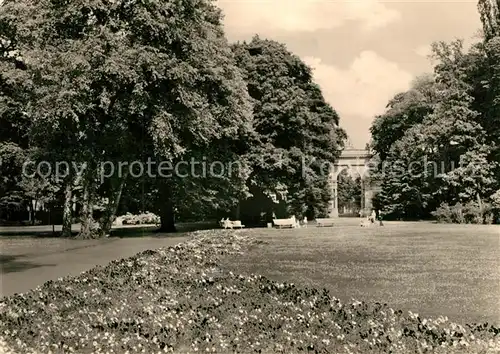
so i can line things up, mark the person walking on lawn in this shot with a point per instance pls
(379, 212)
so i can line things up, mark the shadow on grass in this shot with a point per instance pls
(11, 264)
(30, 233)
(153, 231)
(120, 232)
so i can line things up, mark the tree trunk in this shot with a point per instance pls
(67, 211)
(33, 217)
(167, 217)
(481, 207)
(238, 211)
(30, 207)
(270, 215)
(110, 212)
(166, 208)
(87, 222)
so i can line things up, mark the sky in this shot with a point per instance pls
(362, 52)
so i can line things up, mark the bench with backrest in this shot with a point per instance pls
(290, 222)
(237, 224)
(228, 224)
(325, 222)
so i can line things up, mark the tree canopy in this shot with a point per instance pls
(297, 132)
(438, 143)
(111, 81)
(101, 83)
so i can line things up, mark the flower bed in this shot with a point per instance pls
(179, 300)
(146, 218)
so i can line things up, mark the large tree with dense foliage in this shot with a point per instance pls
(122, 81)
(448, 153)
(297, 131)
(403, 111)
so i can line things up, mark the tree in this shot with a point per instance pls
(349, 191)
(11, 194)
(456, 120)
(484, 76)
(120, 81)
(490, 18)
(408, 177)
(449, 147)
(297, 131)
(405, 110)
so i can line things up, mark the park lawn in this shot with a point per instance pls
(430, 269)
(184, 299)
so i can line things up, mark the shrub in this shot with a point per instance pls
(457, 214)
(443, 214)
(489, 218)
(128, 219)
(144, 218)
(470, 213)
(488, 213)
(495, 206)
(495, 199)
(148, 218)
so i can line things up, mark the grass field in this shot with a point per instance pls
(430, 269)
(185, 298)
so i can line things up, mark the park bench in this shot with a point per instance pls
(228, 224)
(237, 224)
(291, 222)
(325, 222)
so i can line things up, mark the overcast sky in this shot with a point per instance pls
(363, 52)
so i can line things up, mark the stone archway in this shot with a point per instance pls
(348, 178)
(358, 160)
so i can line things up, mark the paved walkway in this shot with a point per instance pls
(27, 262)
(47, 229)
(9, 231)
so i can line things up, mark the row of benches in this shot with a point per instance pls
(320, 222)
(280, 223)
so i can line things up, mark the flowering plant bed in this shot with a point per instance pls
(146, 218)
(179, 299)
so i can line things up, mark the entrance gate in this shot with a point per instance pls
(357, 160)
